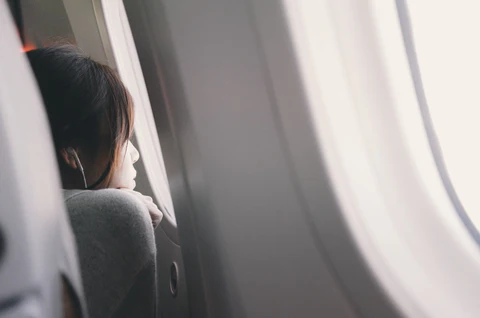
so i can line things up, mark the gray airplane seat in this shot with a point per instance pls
(37, 247)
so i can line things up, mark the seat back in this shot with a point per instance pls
(36, 243)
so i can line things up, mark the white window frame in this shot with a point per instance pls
(129, 68)
(362, 100)
(453, 169)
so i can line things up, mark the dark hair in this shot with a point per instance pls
(83, 98)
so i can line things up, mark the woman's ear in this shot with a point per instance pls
(68, 157)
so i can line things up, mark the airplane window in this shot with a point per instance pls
(445, 35)
(130, 71)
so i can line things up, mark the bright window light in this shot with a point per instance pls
(131, 73)
(446, 36)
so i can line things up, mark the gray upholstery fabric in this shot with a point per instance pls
(117, 253)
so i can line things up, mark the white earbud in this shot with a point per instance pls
(74, 154)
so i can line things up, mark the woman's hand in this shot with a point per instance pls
(153, 210)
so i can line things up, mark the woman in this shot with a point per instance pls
(91, 120)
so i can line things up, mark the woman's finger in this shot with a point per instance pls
(155, 213)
